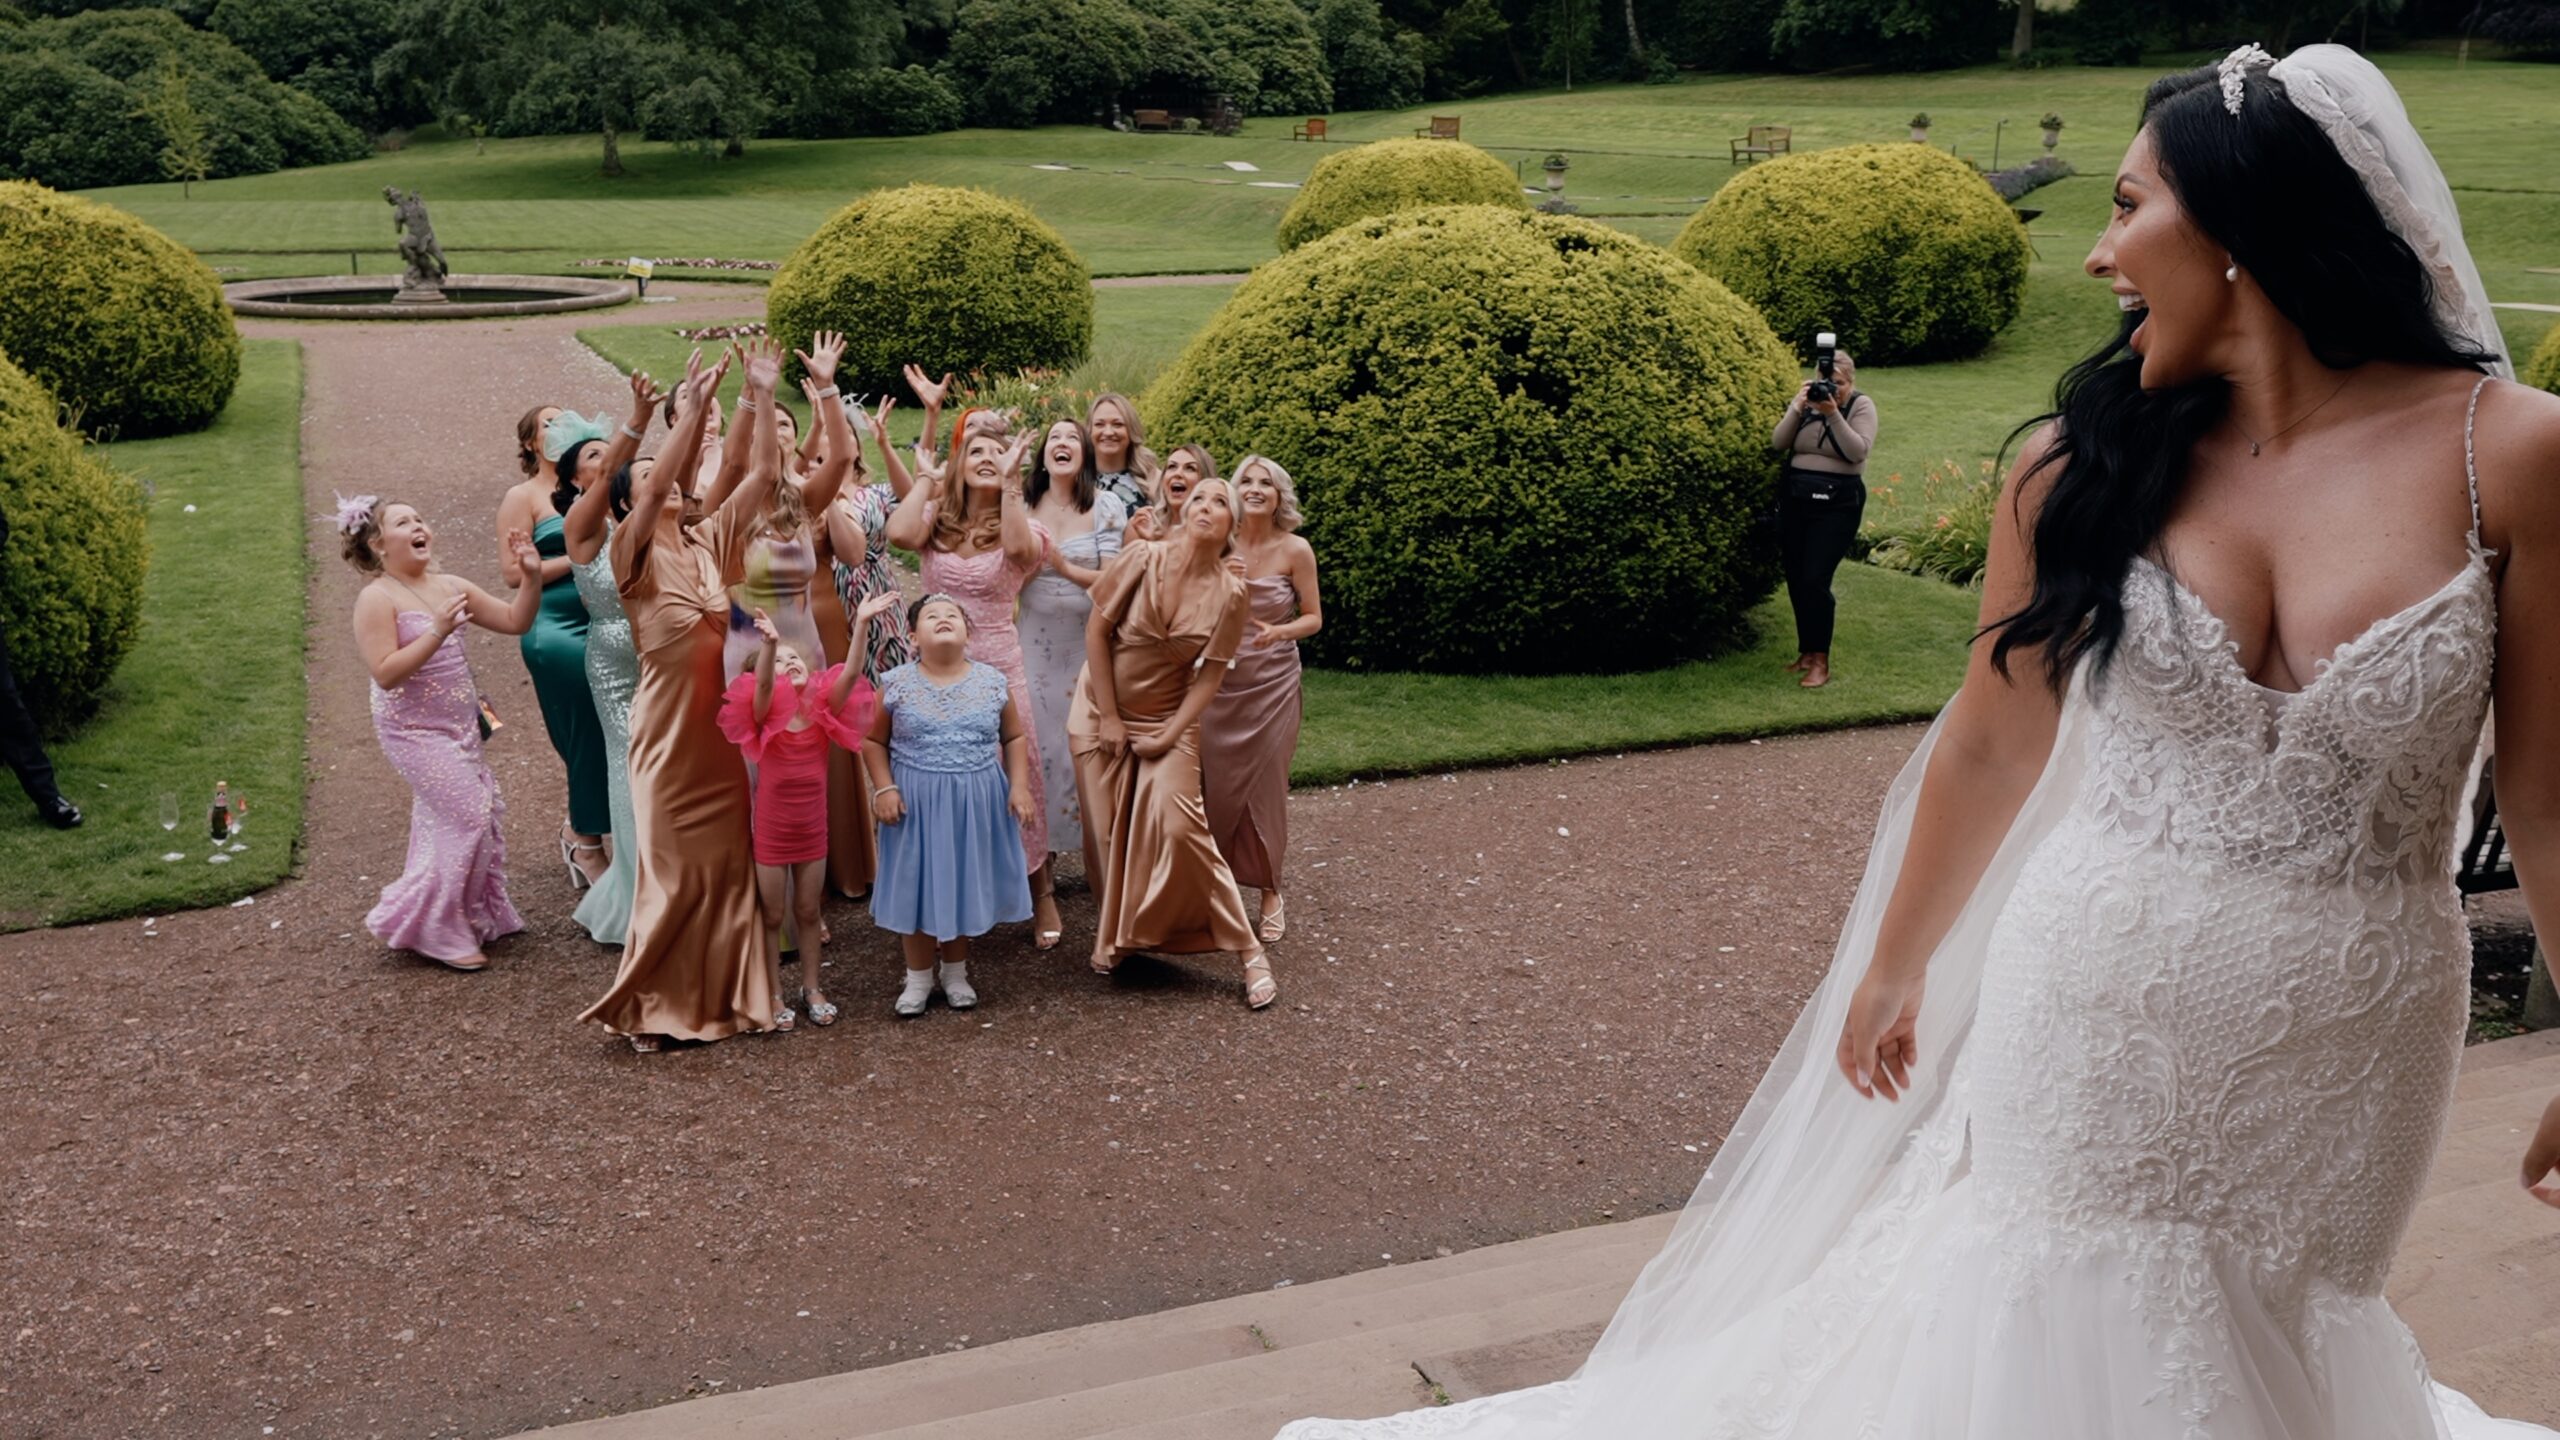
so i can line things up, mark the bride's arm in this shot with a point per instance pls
(2518, 454)
(1992, 748)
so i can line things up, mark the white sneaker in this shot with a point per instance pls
(955, 985)
(919, 991)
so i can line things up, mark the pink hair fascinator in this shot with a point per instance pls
(354, 512)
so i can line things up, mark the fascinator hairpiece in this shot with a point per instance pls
(2233, 71)
(354, 512)
(568, 428)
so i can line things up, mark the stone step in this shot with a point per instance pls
(2463, 1303)
(2515, 1050)
(2514, 1377)
(2518, 1107)
(1013, 1373)
(1361, 1372)
(2499, 1075)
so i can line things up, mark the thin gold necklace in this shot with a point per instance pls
(2255, 444)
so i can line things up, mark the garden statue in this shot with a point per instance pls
(423, 280)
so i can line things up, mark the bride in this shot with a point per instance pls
(2174, 865)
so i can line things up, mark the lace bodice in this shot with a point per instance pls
(954, 727)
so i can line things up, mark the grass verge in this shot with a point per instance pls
(213, 691)
(1901, 642)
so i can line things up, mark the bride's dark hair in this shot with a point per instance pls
(2269, 186)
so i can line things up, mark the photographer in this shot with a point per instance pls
(1826, 434)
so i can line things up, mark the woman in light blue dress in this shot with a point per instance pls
(948, 765)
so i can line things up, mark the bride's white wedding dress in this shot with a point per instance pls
(2223, 979)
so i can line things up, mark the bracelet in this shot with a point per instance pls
(746, 403)
(879, 790)
(830, 390)
(634, 434)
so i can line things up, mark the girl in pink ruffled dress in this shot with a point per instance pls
(783, 717)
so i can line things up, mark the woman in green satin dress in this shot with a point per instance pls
(555, 650)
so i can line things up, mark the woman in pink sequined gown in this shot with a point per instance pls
(976, 542)
(451, 897)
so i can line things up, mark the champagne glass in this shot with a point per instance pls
(168, 809)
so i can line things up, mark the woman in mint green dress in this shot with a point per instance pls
(613, 676)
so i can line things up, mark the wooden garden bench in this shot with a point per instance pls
(1763, 141)
(1443, 127)
(1152, 119)
(1308, 130)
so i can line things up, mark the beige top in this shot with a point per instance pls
(1843, 449)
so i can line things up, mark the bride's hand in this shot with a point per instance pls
(1877, 1043)
(2543, 1155)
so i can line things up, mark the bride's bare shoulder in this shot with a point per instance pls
(2516, 449)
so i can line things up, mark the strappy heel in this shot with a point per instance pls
(579, 879)
(1047, 939)
(1259, 990)
(1275, 926)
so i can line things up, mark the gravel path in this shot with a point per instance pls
(267, 1179)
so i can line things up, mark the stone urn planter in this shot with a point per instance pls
(1920, 128)
(2052, 132)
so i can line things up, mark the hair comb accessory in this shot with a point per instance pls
(2234, 71)
(354, 512)
(568, 428)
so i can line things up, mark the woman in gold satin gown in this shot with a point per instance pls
(700, 963)
(1167, 618)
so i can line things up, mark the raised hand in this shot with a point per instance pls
(764, 365)
(645, 399)
(528, 555)
(825, 352)
(765, 627)
(1009, 464)
(877, 606)
(928, 390)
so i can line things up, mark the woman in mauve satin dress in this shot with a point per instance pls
(1167, 618)
(1249, 733)
(699, 964)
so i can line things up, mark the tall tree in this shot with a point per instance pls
(186, 141)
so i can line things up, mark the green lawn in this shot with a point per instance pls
(1901, 642)
(1645, 156)
(214, 690)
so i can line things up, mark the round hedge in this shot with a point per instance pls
(1902, 249)
(2542, 371)
(1389, 175)
(125, 326)
(949, 279)
(1523, 442)
(71, 572)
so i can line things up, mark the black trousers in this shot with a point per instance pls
(18, 741)
(1813, 538)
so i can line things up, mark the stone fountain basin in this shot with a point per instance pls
(472, 297)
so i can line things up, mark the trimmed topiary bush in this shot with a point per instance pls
(949, 279)
(71, 572)
(2542, 371)
(125, 326)
(1389, 175)
(1902, 249)
(1524, 443)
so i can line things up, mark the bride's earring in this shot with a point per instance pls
(2231, 272)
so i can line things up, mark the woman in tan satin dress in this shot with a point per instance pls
(1249, 733)
(700, 963)
(1167, 617)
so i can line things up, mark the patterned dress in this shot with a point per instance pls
(1054, 611)
(877, 574)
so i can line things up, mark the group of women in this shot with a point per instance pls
(750, 710)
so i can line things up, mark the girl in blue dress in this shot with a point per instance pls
(948, 765)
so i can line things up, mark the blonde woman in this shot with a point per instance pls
(1249, 733)
(1168, 617)
(1122, 467)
